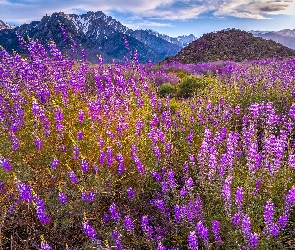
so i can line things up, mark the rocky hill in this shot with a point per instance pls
(97, 33)
(233, 45)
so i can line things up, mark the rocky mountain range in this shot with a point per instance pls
(98, 34)
(230, 45)
(285, 36)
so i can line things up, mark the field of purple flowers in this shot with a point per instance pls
(99, 158)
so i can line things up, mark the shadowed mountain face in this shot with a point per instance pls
(233, 45)
(97, 33)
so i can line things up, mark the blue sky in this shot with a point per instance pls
(171, 17)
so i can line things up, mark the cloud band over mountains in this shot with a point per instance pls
(27, 10)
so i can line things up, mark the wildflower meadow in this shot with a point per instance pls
(131, 156)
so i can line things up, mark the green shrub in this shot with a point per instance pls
(190, 85)
(166, 89)
(180, 74)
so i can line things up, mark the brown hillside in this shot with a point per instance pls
(233, 45)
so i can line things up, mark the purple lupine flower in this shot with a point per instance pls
(101, 157)
(41, 211)
(80, 135)
(239, 198)
(160, 246)
(89, 230)
(139, 164)
(101, 141)
(203, 233)
(258, 186)
(160, 204)
(236, 220)
(177, 213)
(120, 161)
(192, 160)
(283, 220)
(5, 164)
(54, 163)
(84, 165)
(96, 169)
(190, 136)
(88, 197)
(171, 180)
(128, 224)
(25, 192)
(117, 239)
(62, 197)
(81, 116)
(216, 230)
(253, 241)
(156, 176)
(72, 176)
(45, 246)
(271, 228)
(157, 152)
(291, 161)
(14, 141)
(38, 143)
(246, 226)
(114, 213)
(109, 156)
(130, 193)
(168, 148)
(76, 152)
(193, 241)
(290, 200)
(139, 126)
(198, 208)
(226, 191)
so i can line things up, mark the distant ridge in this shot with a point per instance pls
(98, 34)
(232, 45)
(285, 36)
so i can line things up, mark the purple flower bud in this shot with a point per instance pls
(80, 135)
(89, 230)
(236, 220)
(84, 165)
(128, 224)
(72, 176)
(114, 213)
(239, 198)
(96, 169)
(130, 193)
(38, 144)
(193, 241)
(24, 191)
(253, 241)
(88, 197)
(5, 164)
(203, 232)
(62, 198)
(45, 246)
(76, 152)
(216, 230)
(54, 163)
(109, 156)
(81, 116)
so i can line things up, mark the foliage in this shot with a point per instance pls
(191, 85)
(166, 89)
(95, 158)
